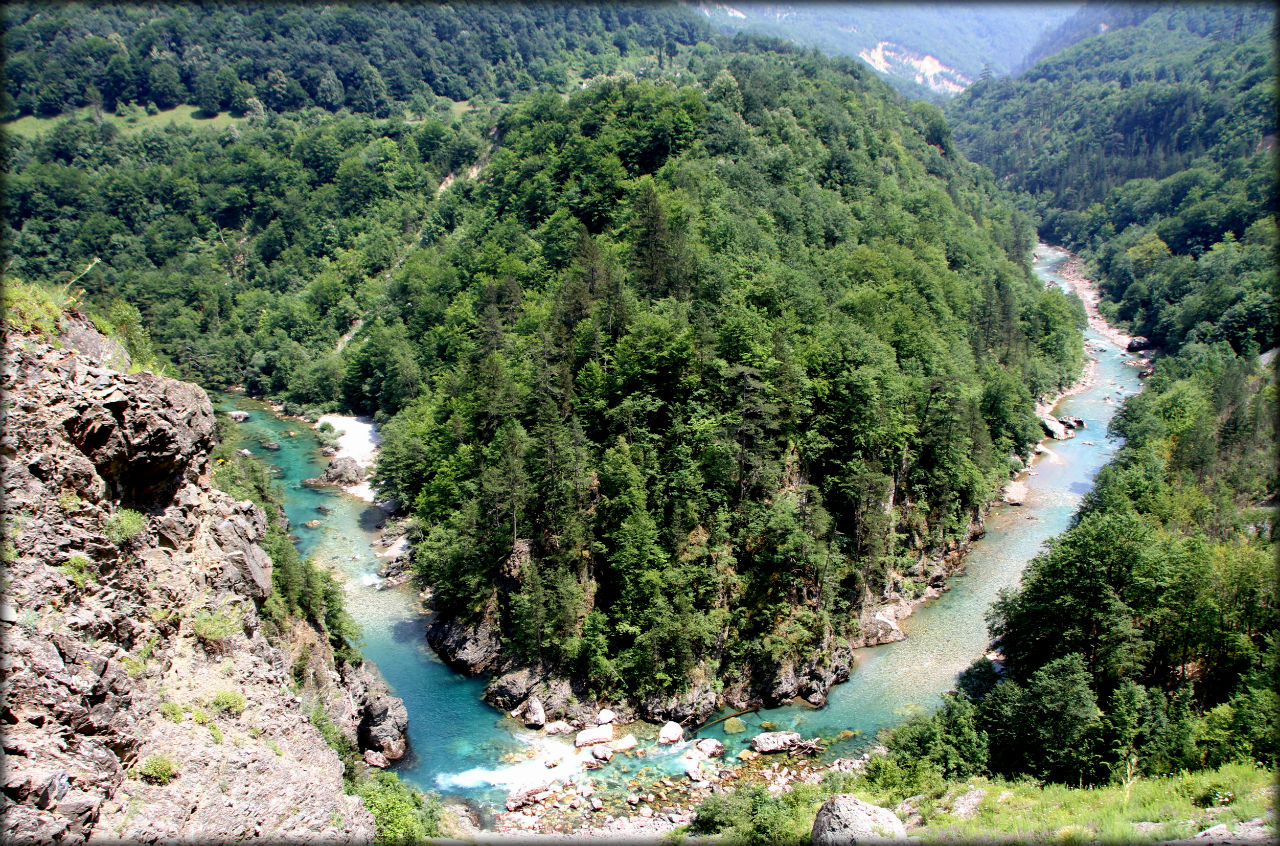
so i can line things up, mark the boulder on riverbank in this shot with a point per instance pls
(1054, 429)
(534, 714)
(670, 733)
(594, 735)
(238, 416)
(846, 819)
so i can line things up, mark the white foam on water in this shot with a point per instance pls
(370, 579)
(527, 773)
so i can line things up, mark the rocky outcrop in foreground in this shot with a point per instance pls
(845, 819)
(142, 698)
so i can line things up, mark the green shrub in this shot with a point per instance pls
(199, 716)
(400, 813)
(227, 701)
(216, 733)
(171, 711)
(77, 570)
(69, 502)
(216, 627)
(158, 769)
(123, 526)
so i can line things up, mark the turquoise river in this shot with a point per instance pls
(463, 748)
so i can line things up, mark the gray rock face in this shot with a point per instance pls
(107, 629)
(341, 471)
(845, 819)
(466, 648)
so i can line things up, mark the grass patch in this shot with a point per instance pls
(134, 121)
(1021, 811)
(77, 570)
(171, 711)
(227, 702)
(1032, 812)
(123, 526)
(216, 627)
(31, 309)
(215, 733)
(69, 502)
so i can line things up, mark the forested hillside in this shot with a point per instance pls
(697, 356)
(369, 58)
(693, 372)
(1144, 641)
(1152, 150)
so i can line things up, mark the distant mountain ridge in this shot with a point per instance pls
(927, 50)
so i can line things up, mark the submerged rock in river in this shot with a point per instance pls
(774, 741)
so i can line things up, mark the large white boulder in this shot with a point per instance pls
(775, 741)
(671, 733)
(844, 819)
(605, 717)
(595, 734)
(534, 714)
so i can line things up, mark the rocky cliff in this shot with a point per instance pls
(142, 697)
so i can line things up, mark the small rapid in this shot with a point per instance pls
(462, 747)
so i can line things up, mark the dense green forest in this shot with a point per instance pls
(282, 57)
(679, 369)
(1143, 641)
(700, 351)
(726, 353)
(1160, 169)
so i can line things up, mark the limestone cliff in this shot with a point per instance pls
(142, 698)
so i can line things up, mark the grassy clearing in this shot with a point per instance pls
(1146, 810)
(1179, 806)
(31, 126)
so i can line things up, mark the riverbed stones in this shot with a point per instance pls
(601, 752)
(558, 727)
(670, 733)
(522, 796)
(624, 743)
(733, 725)
(593, 735)
(1015, 493)
(774, 741)
(711, 747)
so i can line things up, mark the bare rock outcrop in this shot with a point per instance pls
(142, 699)
(343, 471)
(845, 819)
